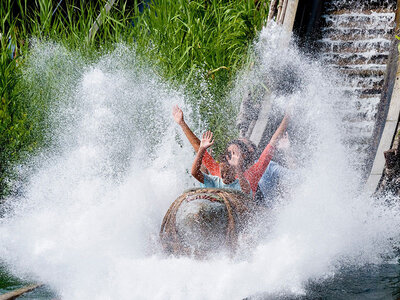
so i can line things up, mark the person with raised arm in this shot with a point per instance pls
(254, 173)
(232, 176)
(213, 166)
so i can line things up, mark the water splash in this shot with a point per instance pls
(356, 41)
(88, 220)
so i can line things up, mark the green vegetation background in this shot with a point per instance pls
(190, 43)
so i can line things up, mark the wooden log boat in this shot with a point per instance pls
(202, 221)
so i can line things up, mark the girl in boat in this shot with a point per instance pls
(253, 172)
(231, 169)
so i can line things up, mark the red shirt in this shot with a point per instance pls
(252, 174)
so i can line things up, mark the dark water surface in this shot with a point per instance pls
(10, 283)
(370, 282)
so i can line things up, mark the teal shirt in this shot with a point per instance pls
(211, 181)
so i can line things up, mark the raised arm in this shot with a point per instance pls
(254, 173)
(278, 133)
(209, 162)
(205, 143)
(179, 119)
(284, 146)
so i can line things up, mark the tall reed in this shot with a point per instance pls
(202, 43)
(198, 45)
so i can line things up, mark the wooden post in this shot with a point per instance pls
(290, 14)
(19, 292)
(278, 15)
(397, 17)
(283, 12)
(98, 21)
(272, 10)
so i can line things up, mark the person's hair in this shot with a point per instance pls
(253, 146)
(247, 156)
(250, 143)
(222, 158)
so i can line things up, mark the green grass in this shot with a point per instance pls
(202, 44)
(196, 45)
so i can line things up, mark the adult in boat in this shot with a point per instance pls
(254, 170)
(269, 186)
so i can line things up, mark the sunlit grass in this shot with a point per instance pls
(195, 45)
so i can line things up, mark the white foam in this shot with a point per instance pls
(88, 221)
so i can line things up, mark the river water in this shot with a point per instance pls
(86, 222)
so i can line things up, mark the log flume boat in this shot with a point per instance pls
(204, 220)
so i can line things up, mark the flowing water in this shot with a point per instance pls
(356, 41)
(86, 223)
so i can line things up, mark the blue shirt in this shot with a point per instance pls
(211, 181)
(268, 183)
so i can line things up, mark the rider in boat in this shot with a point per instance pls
(231, 168)
(255, 171)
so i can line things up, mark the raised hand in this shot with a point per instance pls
(207, 140)
(177, 113)
(283, 142)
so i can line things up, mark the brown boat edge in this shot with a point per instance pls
(204, 220)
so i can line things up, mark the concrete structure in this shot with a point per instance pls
(285, 17)
(386, 112)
